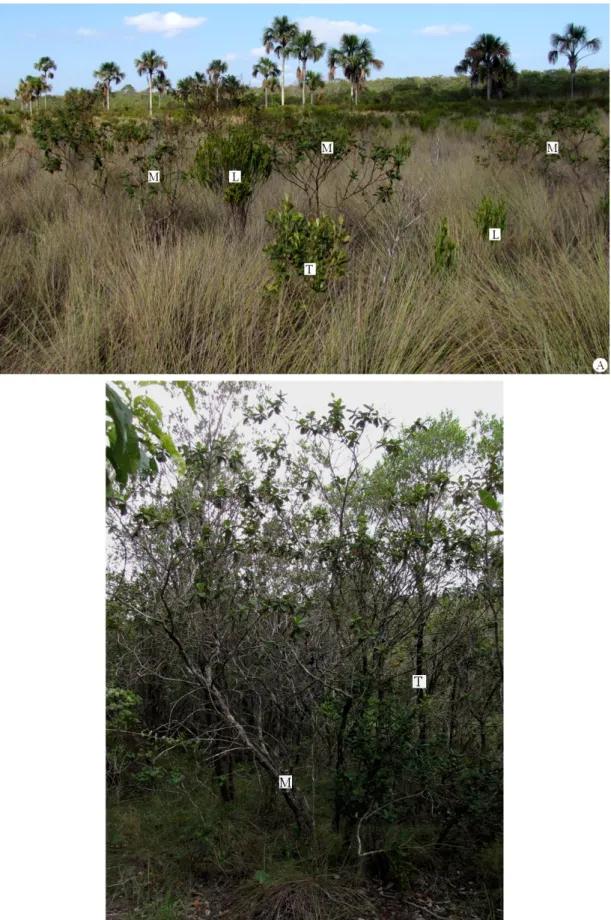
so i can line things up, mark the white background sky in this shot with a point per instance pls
(401, 399)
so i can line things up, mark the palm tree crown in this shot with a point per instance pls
(572, 44)
(277, 38)
(149, 63)
(355, 56)
(108, 73)
(305, 48)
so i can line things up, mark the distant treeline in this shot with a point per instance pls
(531, 84)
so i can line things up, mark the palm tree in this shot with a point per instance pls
(304, 48)
(489, 50)
(199, 82)
(184, 89)
(25, 92)
(272, 83)
(161, 84)
(277, 38)
(216, 69)
(503, 74)
(572, 43)
(108, 73)
(231, 85)
(313, 81)
(149, 63)
(471, 67)
(355, 57)
(47, 67)
(266, 68)
(33, 88)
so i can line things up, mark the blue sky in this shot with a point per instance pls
(412, 40)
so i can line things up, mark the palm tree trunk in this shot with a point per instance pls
(265, 89)
(303, 78)
(282, 88)
(311, 97)
(572, 83)
(151, 95)
(489, 87)
(108, 98)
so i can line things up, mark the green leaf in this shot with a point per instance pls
(187, 390)
(488, 500)
(124, 451)
(261, 876)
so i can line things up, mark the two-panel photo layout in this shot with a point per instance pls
(304, 612)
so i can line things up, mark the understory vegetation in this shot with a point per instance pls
(104, 271)
(275, 579)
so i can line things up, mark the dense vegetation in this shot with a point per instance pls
(275, 580)
(106, 271)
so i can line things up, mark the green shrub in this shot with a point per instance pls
(470, 124)
(241, 148)
(490, 214)
(426, 121)
(444, 248)
(300, 239)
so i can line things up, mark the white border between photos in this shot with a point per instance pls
(557, 638)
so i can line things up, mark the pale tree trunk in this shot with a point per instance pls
(217, 93)
(203, 674)
(303, 79)
(282, 88)
(294, 797)
(151, 95)
(489, 87)
(572, 83)
(265, 90)
(312, 97)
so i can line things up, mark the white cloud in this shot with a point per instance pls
(231, 56)
(169, 24)
(436, 31)
(258, 52)
(331, 30)
(87, 33)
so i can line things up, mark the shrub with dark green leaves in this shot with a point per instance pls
(490, 214)
(299, 240)
(358, 141)
(444, 248)
(241, 148)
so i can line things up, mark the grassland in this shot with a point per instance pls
(91, 282)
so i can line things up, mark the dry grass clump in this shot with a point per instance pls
(88, 285)
(300, 899)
